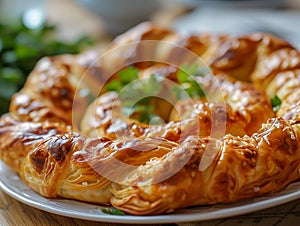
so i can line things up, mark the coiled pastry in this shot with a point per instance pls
(146, 171)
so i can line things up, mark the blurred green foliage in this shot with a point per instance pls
(21, 48)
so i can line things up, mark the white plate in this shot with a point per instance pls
(11, 183)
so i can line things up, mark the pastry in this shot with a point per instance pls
(228, 145)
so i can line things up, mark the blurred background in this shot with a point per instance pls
(108, 18)
(34, 28)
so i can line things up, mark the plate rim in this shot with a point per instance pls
(265, 202)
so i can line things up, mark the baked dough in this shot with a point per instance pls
(153, 171)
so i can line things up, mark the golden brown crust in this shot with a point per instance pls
(242, 168)
(17, 139)
(148, 173)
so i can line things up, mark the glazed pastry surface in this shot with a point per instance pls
(227, 146)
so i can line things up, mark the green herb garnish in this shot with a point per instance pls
(188, 85)
(276, 103)
(136, 94)
(113, 211)
(20, 49)
(125, 76)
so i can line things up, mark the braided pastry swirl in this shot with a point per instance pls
(61, 147)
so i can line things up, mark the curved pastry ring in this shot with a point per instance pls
(56, 161)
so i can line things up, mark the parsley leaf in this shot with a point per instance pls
(276, 103)
(113, 211)
(125, 77)
(114, 85)
(137, 96)
(128, 75)
(188, 85)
